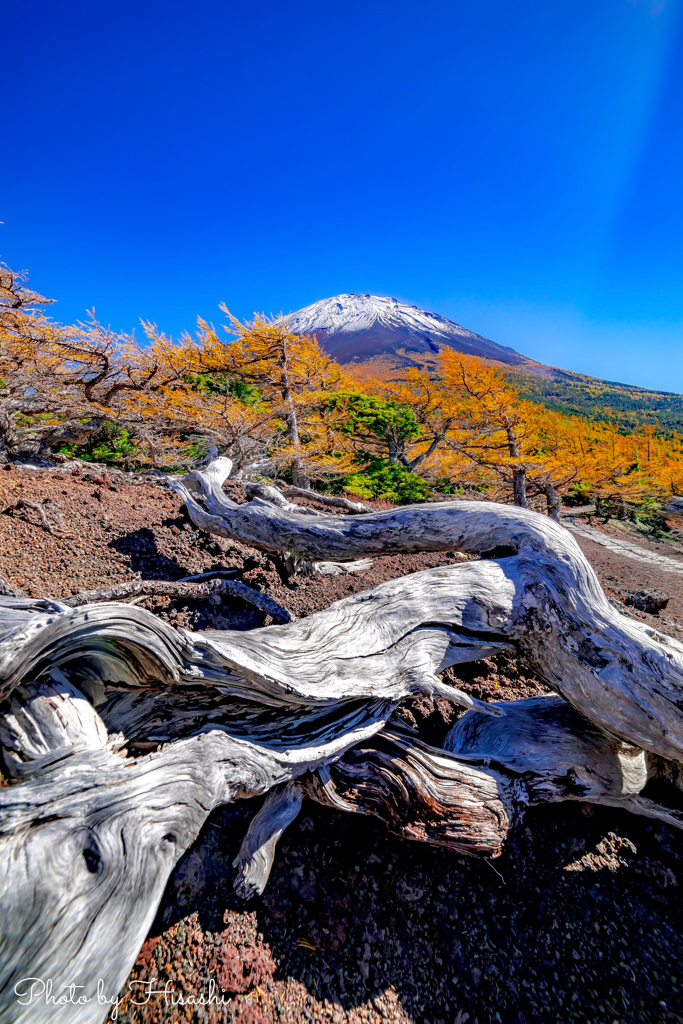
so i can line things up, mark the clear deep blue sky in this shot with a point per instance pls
(516, 166)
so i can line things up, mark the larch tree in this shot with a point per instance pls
(560, 455)
(432, 406)
(59, 384)
(289, 372)
(492, 424)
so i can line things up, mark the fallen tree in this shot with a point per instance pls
(121, 734)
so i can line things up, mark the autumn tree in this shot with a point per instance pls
(559, 454)
(290, 374)
(61, 383)
(492, 425)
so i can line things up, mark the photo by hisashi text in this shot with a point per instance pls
(32, 991)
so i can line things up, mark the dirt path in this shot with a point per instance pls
(627, 565)
(626, 548)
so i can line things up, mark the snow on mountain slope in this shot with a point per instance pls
(360, 326)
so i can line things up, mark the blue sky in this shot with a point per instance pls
(516, 166)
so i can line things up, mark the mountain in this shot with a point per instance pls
(359, 327)
(355, 328)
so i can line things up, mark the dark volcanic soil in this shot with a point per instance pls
(580, 919)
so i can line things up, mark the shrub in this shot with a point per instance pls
(110, 443)
(578, 494)
(388, 480)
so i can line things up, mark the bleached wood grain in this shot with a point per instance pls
(122, 733)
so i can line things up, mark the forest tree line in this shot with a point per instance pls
(627, 406)
(281, 408)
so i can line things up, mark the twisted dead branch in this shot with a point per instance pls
(184, 589)
(325, 499)
(44, 521)
(121, 733)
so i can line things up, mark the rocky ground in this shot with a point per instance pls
(580, 919)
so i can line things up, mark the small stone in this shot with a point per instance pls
(651, 601)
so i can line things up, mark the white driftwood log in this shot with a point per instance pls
(121, 734)
(533, 586)
(260, 493)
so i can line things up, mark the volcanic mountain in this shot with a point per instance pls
(359, 327)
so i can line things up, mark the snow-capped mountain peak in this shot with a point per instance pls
(360, 326)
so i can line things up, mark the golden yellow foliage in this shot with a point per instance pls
(272, 398)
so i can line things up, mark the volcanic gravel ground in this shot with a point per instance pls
(580, 919)
(108, 531)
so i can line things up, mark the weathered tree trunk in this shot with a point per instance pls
(519, 487)
(518, 472)
(553, 502)
(490, 772)
(536, 585)
(87, 842)
(122, 733)
(299, 476)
